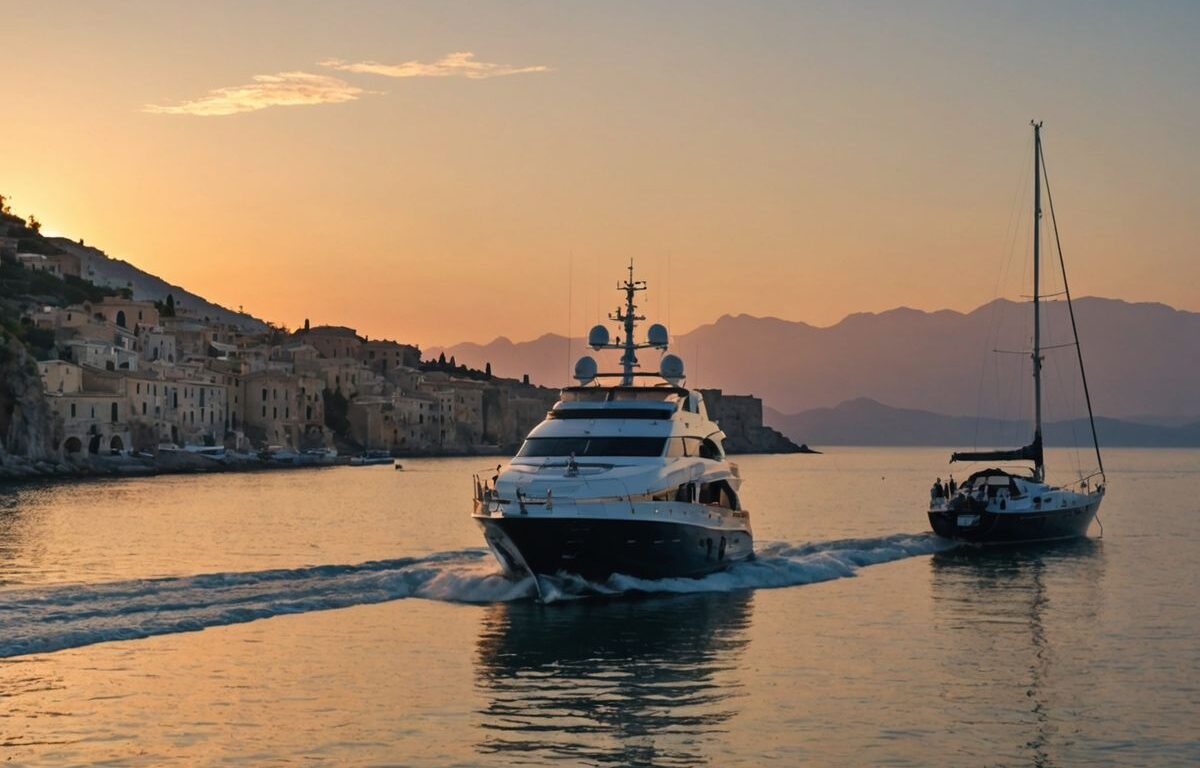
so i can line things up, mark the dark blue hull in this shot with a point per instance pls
(1014, 527)
(597, 548)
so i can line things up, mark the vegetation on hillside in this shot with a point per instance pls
(22, 287)
(451, 366)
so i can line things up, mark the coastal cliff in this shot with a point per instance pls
(26, 423)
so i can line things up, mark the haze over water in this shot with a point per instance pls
(349, 616)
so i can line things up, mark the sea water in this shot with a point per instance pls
(351, 616)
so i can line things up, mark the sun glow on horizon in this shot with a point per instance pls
(466, 179)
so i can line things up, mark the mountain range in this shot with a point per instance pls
(863, 421)
(1143, 361)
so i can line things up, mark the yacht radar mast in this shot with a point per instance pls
(628, 317)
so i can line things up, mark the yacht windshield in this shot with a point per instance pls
(535, 447)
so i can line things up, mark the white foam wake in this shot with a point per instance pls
(54, 618)
(778, 564)
(51, 619)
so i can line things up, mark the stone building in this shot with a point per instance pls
(104, 355)
(331, 340)
(60, 376)
(59, 265)
(382, 356)
(343, 375)
(400, 423)
(127, 313)
(284, 409)
(191, 336)
(157, 344)
(511, 410)
(740, 418)
(197, 410)
(92, 417)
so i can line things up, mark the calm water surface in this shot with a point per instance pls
(349, 616)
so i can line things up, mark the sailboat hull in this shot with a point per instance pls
(984, 527)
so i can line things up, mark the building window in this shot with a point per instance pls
(143, 407)
(114, 413)
(72, 410)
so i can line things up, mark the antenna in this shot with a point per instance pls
(628, 317)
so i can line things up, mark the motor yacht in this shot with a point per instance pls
(626, 474)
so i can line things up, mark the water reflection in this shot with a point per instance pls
(628, 682)
(15, 536)
(1000, 604)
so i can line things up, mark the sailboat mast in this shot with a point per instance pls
(1037, 309)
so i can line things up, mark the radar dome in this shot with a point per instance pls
(671, 368)
(585, 369)
(658, 336)
(597, 338)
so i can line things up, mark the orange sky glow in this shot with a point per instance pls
(438, 173)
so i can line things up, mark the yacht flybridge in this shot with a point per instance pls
(998, 506)
(626, 474)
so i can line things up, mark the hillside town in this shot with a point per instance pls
(155, 379)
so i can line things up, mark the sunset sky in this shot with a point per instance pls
(443, 172)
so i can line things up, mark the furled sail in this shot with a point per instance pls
(1031, 452)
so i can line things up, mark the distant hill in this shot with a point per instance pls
(108, 272)
(1143, 359)
(866, 422)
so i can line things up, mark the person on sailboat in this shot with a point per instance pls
(935, 492)
(951, 486)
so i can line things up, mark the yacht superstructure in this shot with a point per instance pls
(626, 475)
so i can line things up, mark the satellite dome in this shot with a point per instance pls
(585, 369)
(671, 368)
(597, 337)
(658, 336)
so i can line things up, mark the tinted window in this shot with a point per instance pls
(611, 413)
(592, 446)
(694, 446)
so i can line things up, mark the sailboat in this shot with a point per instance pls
(1001, 506)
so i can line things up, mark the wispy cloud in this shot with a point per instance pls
(285, 89)
(289, 89)
(460, 64)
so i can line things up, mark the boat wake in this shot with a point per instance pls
(41, 620)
